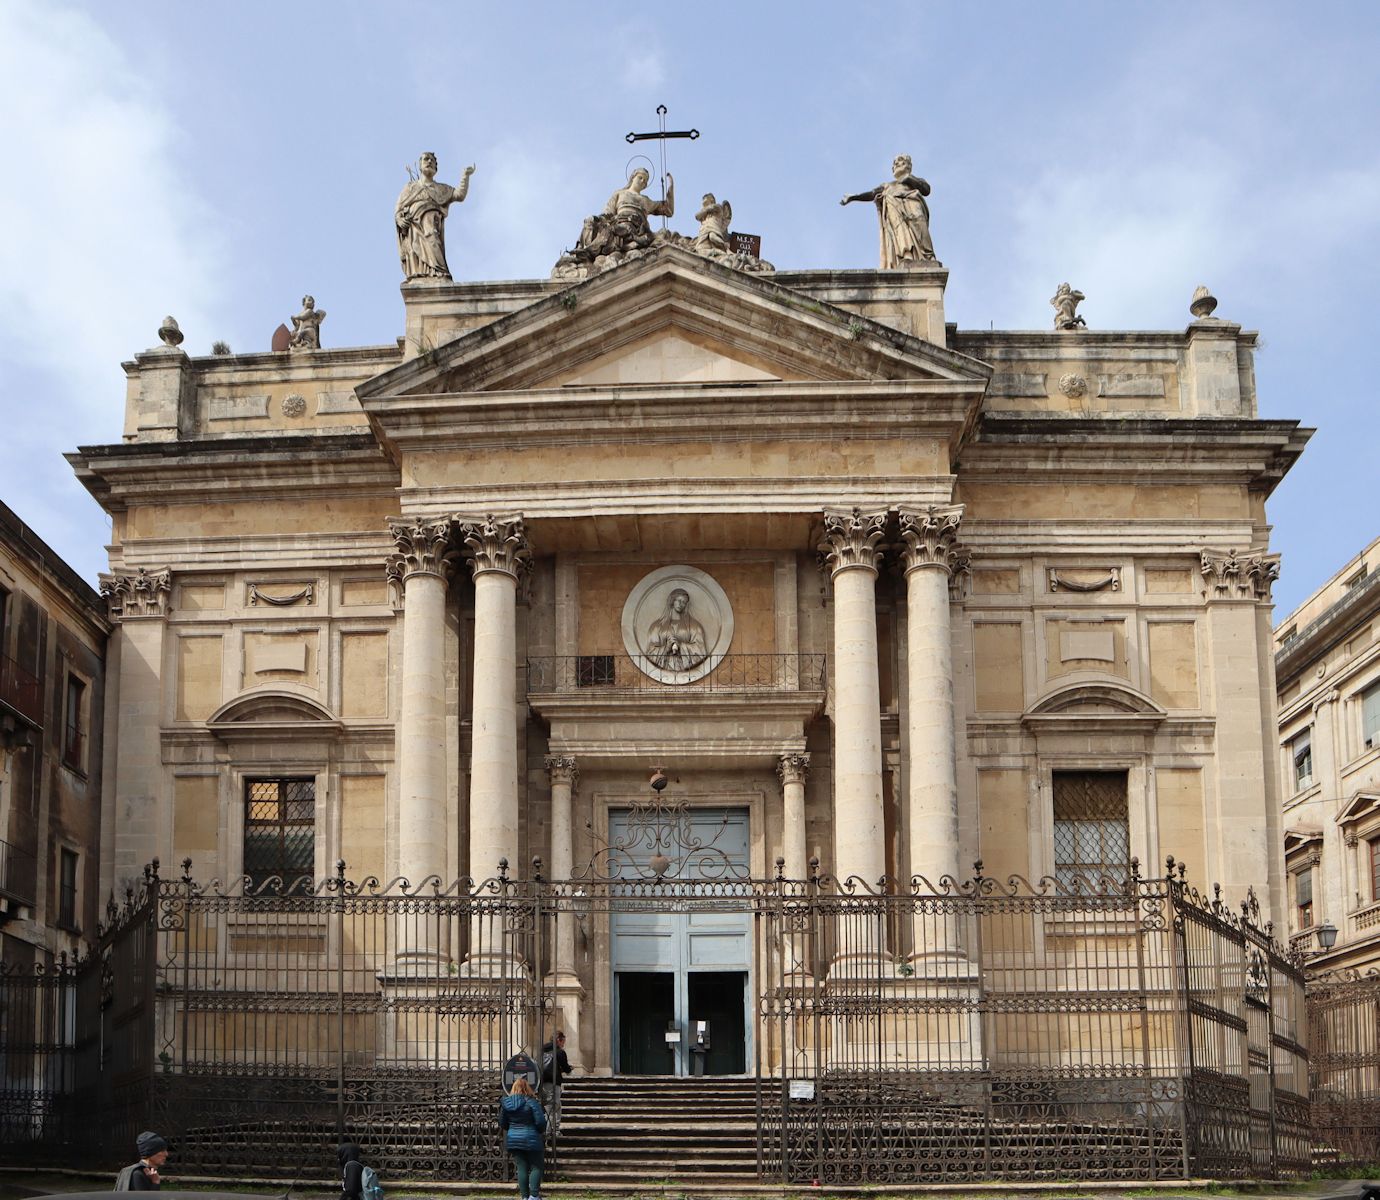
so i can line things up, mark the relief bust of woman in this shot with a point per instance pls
(675, 640)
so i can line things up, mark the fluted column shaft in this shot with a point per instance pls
(421, 566)
(792, 769)
(563, 773)
(499, 554)
(930, 556)
(850, 548)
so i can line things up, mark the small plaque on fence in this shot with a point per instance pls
(802, 1089)
(520, 1064)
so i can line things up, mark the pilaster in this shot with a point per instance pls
(1236, 590)
(140, 820)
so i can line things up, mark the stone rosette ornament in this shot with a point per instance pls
(1074, 386)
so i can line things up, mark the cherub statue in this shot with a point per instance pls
(1065, 301)
(904, 215)
(306, 326)
(714, 218)
(420, 218)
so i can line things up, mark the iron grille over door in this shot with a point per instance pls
(1092, 836)
(279, 829)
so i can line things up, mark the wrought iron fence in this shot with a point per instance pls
(965, 1030)
(624, 672)
(1344, 1063)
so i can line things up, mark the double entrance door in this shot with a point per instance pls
(682, 965)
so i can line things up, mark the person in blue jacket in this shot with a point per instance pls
(523, 1121)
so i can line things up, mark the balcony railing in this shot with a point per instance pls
(18, 873)
(21, 690)
(624, 673)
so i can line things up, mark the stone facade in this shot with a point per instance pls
(959, 572)
(53, 638)
(1327, 659)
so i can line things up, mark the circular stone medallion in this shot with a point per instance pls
(677, 624)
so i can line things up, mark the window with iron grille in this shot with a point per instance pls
(1092, 830)
(1303, 897)
(594, 670)
(72, 722)
(279, 829)
(67, 890)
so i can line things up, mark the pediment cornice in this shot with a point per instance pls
(819, 352)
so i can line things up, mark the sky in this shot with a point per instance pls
(216, 162)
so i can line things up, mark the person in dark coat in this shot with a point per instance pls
(523, 1121)
(351, 1172)
(153, 1153)
(555, 1066)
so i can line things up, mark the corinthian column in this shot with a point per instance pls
(850, 550)
(930, 556)
(421, 565)
(498, 552)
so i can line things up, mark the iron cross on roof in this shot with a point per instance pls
(660, 136)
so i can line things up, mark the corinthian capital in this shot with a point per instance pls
(1228, 576)
(496, 544)
(850, 539)
(423, 548)
(792, 768)
(143, 594)
(931, 539)
(562, 769)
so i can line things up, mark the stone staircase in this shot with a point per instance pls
(648, 1129)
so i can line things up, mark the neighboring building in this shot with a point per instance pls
(1040, 637)
(1327, 663)
(53, 635)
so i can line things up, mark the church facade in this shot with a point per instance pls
(879, 598)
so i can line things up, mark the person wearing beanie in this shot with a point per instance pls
(153, 1153)
(351, 1172)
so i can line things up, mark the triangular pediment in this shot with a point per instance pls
(1361, 805)
(672, 318)
(671, 355)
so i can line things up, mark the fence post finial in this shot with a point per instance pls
(780, 868)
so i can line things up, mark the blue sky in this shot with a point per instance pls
(216, 162)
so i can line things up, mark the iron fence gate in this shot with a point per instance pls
(1344, 1021)
(1123, 1028)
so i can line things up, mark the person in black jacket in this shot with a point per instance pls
(153, 1153)
(351, 1172)
(555, 1066)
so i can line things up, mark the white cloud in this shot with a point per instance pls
(105, 233)
(1138, 236)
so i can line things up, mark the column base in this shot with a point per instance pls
(417, 966)
(492, 964)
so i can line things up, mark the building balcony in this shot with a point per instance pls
(18, 882)
(21, 692)
(587, 673)
(744, 712)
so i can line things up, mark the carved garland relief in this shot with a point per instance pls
(677, 624)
